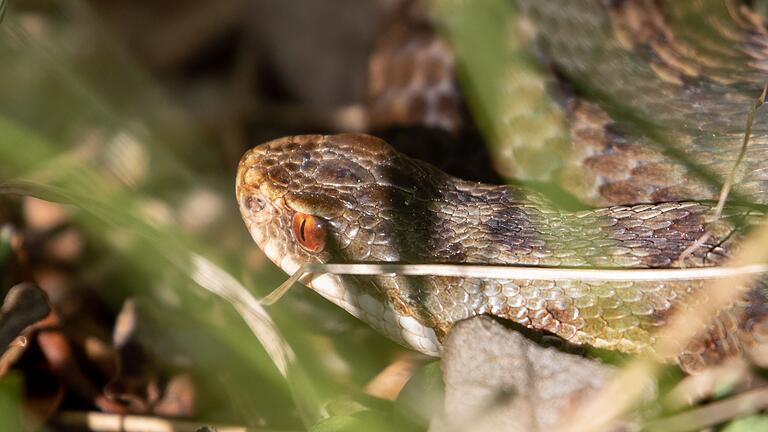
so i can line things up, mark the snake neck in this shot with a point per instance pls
(475, 223)
(465, 222)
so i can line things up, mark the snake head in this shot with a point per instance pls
(341, 198)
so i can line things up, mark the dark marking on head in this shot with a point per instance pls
(343, 172)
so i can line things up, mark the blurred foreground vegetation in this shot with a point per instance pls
(143, 188)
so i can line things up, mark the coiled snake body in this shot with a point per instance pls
(352, 198)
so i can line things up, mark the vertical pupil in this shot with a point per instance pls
(308, 231)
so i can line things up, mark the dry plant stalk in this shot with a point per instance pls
(12, 354)
(106, 422)
(695, 388)
(714, 413)
(729, 181)
(514, 272)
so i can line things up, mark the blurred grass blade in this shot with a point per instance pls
(50, 85)
(10, 402)
(470, 26)
(506, 88)
(213, 278)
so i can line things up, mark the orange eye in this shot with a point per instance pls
(309, 231)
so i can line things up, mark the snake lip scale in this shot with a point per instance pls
(352, 198)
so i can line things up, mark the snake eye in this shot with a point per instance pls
(309, 231)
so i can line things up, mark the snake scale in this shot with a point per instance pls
(693, 67)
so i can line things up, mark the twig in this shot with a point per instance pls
(12, 354)
(105, 422)
(24, 305)
(714, 413)
(726, 189)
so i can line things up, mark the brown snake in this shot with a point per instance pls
(352, 198)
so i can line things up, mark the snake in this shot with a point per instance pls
(693, 67)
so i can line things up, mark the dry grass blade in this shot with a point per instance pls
(697, 387)
(726, 189)
(217, 281)
(104, 422)
(714, 413)
(517, 272)
(280, 291)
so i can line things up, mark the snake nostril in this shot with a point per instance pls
(254, 203)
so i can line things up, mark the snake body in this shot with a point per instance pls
(365, 202)
(381, 206)
(691, 70)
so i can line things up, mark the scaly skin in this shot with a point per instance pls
(688, 70)
(378, 205)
